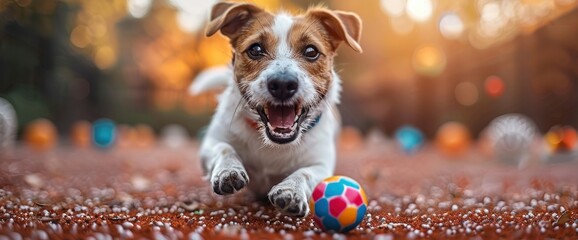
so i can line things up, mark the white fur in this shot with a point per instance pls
(282, 171)
(283, 62)
(210, 79)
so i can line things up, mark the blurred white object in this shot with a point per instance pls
(8, 124)
(174, 136)
(212, 78)
(511, 137)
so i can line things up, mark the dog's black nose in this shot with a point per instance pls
(282, 86)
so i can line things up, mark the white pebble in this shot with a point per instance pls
(127, 225)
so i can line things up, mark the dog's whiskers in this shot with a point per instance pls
(234, 114)
(330, 108)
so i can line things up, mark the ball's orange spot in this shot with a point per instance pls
(348, 216)
(332, 179)
(311, 206)
(363, 196)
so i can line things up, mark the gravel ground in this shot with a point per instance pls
(158, 192)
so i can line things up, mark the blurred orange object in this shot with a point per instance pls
(139, 136)
(145, 136)
(494, 86)
(81, 134)
(127, 136)
(561, 138)
(350, 139)
(41, 134)
(453, 138)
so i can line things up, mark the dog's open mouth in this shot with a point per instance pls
(282, 122)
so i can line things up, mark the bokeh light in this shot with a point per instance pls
(419, 10)
(494, 86)
(138, 8)
(561, 139)
(145, 136)
(429, 60)
(81, 134)
(466, 93)
(409, 138)
(394, 8)
(8, 125)
(350, 139)
(402, 24)
(104, 133)
(174, 136)
(511, 136)
(491, 20)
(453, 138)
(41, 135)
(80, 36)
(104, 57)
(451, 25)
(192, 15)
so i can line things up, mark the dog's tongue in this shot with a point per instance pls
(281, 116)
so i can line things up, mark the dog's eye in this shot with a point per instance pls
(255, 51)
(311, 53)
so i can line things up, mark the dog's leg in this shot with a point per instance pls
(290, 196)
(223, 167)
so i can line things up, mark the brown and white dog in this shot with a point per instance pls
(275, 126)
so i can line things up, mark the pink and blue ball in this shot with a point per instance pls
(338, 204)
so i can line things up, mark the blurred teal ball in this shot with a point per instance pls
(409, 138)
(103, 133)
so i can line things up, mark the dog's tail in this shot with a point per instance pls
(212, 78)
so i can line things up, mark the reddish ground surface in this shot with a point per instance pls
(158, 193)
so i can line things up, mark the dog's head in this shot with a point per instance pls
(283, 64)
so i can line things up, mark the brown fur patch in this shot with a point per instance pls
(258, 30)
(307, 30)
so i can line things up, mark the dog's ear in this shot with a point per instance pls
(341, 26)
(230, 18)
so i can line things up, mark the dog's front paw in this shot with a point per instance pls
(289, 199)
(228, 180)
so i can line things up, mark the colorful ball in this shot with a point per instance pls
(338, 204)
(409, 138)
(511, 136)
(41, 134)
(103, 133)
(453, 138)
(561, 139)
